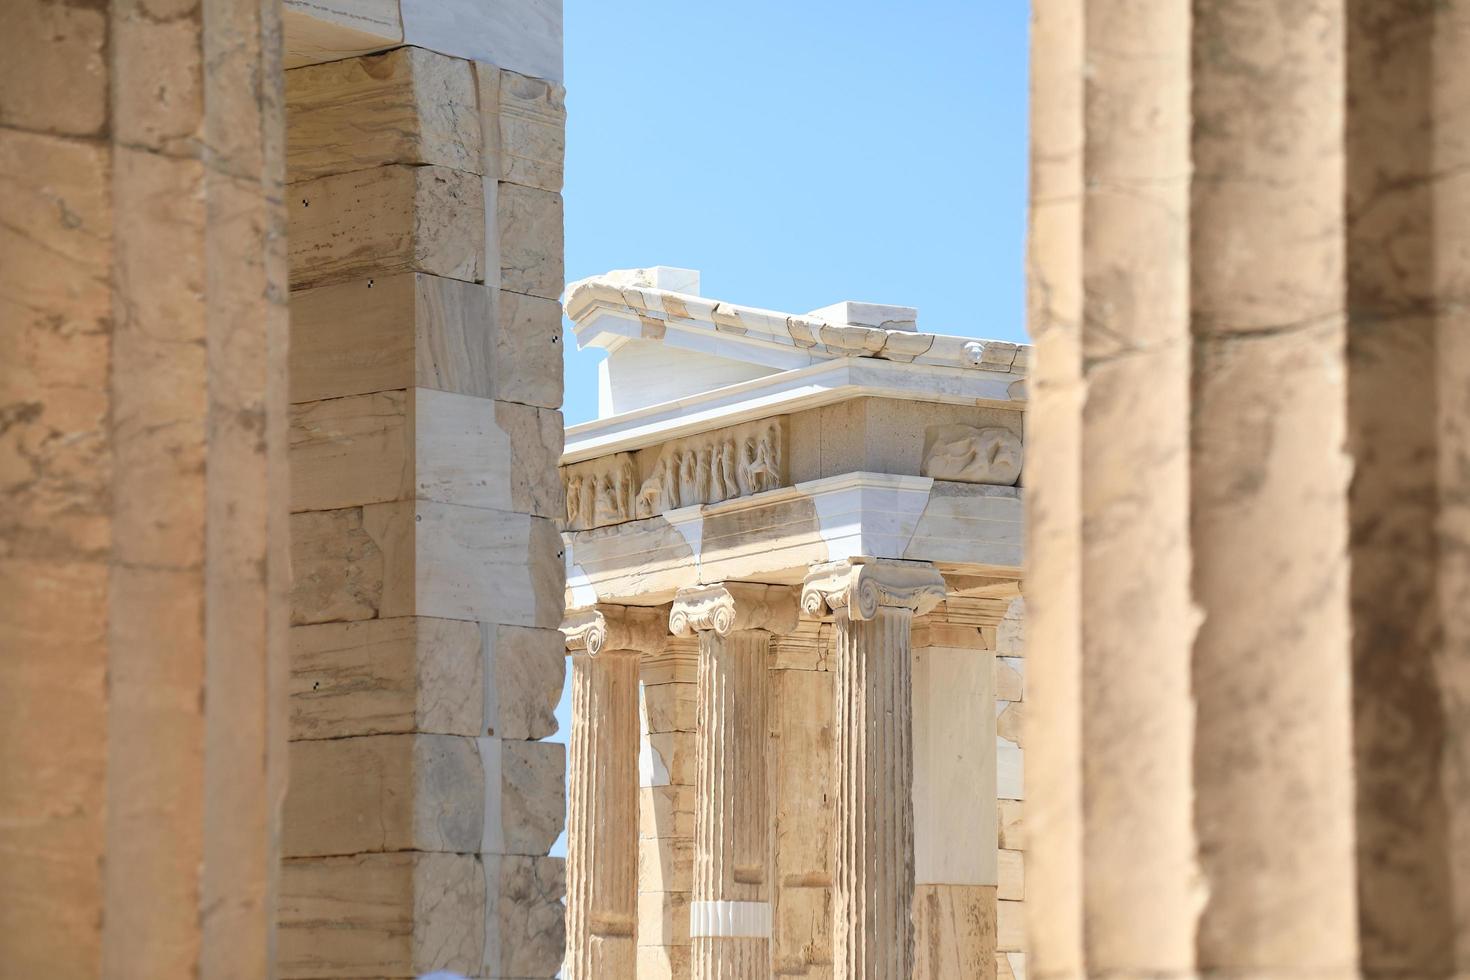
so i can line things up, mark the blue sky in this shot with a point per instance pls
(799, 153)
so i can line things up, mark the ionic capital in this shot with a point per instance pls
(607, 627)
(862, 586)
(730, 606)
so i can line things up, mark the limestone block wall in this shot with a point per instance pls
(425, 381)
(143, 562)
(1010, 750)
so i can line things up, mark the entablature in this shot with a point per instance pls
(966, 530)
(754, 445)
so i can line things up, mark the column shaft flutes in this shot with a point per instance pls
(873, 603)
(602, 817)
(874, 871)
(730, 912)
(731, 890)
(607, 644)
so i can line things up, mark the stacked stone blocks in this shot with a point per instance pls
(1010, 707)
(425, 245)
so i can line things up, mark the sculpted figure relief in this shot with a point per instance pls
(580, 503)
(688, 484)
(626, 489)
(606, 509)
(967, 454)
(765, 464)
(656, 493)
(703, 469)
(728, 470)
(702, 474)
(742, 472)
(588, 504)
(573, 498)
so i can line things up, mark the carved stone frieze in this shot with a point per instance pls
(732, 606)
(607, 627)
(600, 491)
(707, 468)
(861, 587)
(970, 454)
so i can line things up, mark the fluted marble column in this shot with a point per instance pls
(1249, 477)
(606, 644)
(874, 603)
(730, 911)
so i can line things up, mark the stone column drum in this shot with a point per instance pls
(873, 603)
(602, 790)
(730, 912)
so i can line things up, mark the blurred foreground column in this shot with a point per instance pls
(143, 561)
(1408, 422)
(1248, 255)
(1108, 584)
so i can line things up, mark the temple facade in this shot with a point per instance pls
(295, 548)
(793, 547)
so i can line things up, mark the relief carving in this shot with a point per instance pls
(703, 469)
(967, 454)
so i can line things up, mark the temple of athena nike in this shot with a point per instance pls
(297, 555)
(793, 547)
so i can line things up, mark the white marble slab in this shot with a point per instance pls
(954, 766)
(870, 315)
(1010, 770)
(522, 35)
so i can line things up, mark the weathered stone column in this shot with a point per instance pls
(1408, 355)
(1108, 533)
(1053, 491)
(1268, 490)
(606, 645)
(730, 912)
(874, 603)
(1249, 299)
(143, 562)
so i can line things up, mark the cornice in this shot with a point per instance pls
(642, 304)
